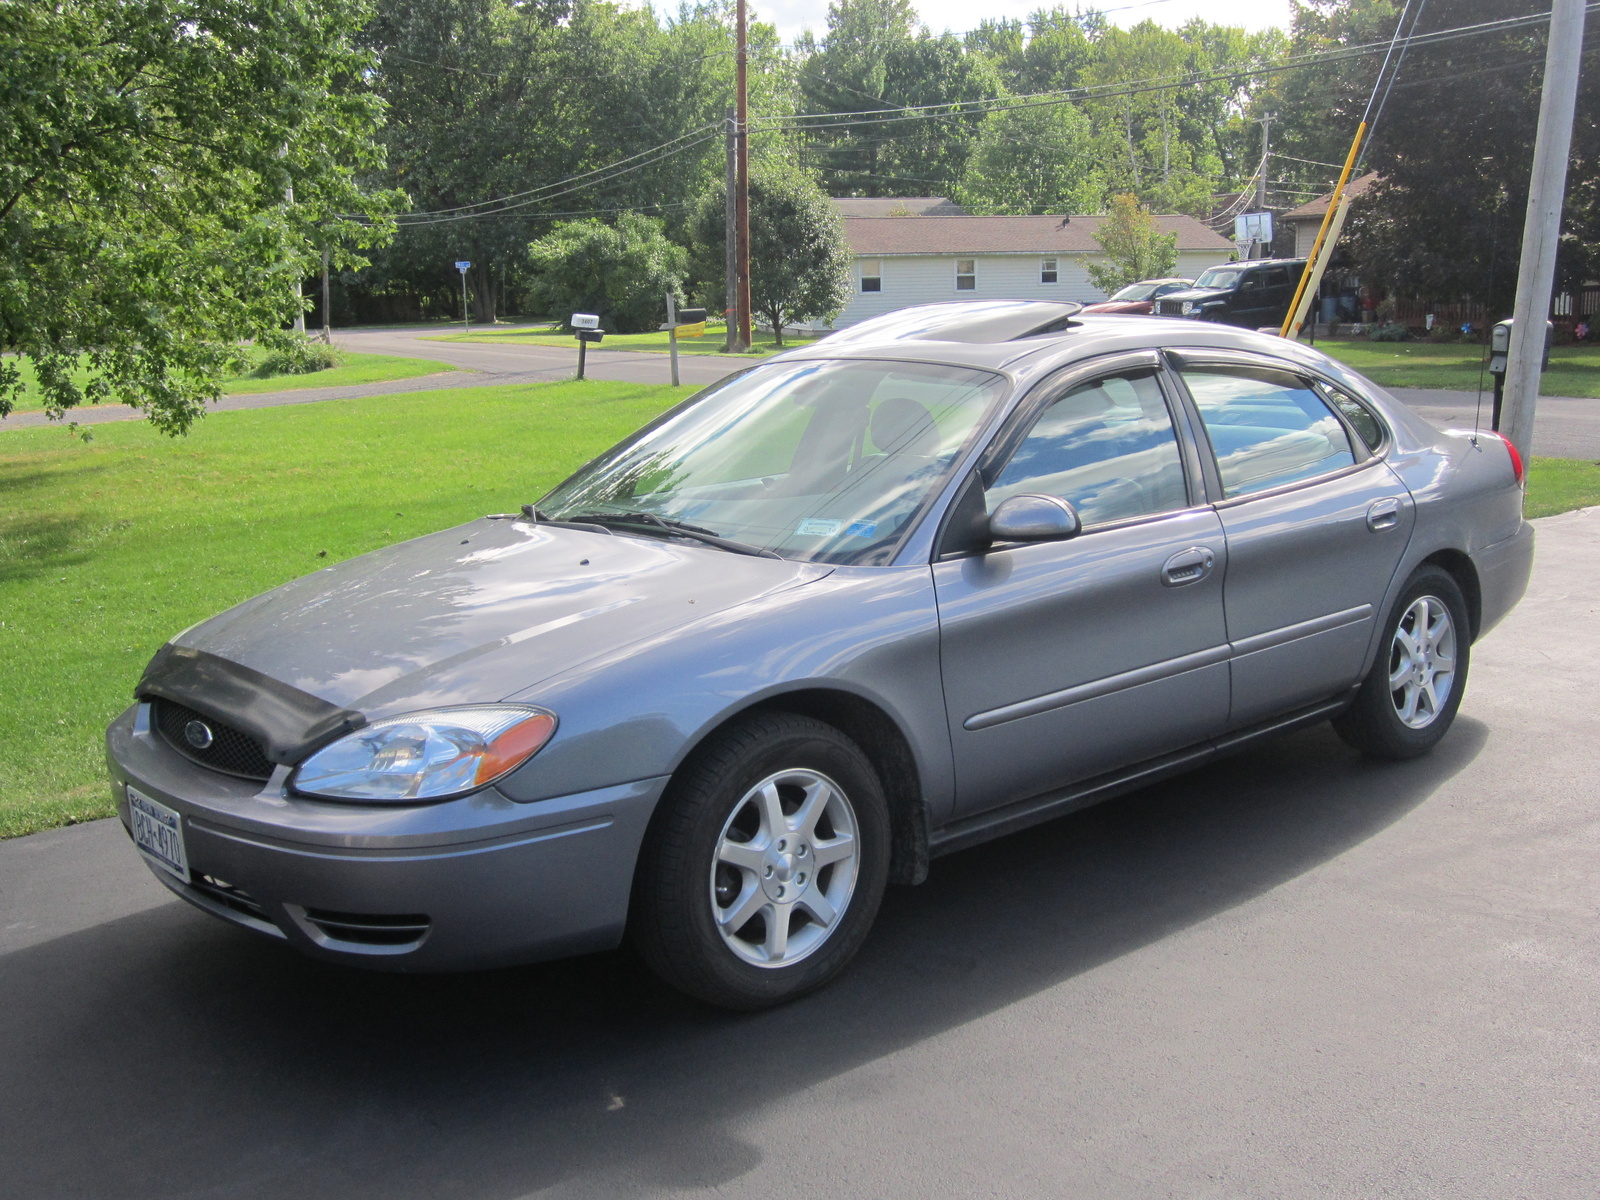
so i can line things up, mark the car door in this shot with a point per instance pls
(1315, 524)
(1250, 300)
(1063, 660)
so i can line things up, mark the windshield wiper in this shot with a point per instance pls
(683, 529)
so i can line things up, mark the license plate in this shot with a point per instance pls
(158, 832)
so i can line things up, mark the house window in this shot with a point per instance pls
(966, 275)
(1047, 270)
(871, 275)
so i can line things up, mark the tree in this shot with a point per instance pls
(622, 271)
(799, 260)
(1135, 245)
(1033, 160)
(145, 154)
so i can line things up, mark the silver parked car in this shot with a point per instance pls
(936, 578)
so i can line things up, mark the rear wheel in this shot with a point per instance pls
(764, 868)
(1409, 698)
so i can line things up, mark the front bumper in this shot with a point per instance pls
(477, 882)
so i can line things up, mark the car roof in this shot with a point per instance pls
(1026, 335)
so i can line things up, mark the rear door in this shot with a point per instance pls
(1063, 660)
(1315, 524)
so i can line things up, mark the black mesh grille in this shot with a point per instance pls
(229, 751)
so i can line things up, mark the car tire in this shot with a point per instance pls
(1410, 696)
(728, 904)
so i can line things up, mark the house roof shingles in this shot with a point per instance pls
(1315, 210)
(896, 206)
(879, 237)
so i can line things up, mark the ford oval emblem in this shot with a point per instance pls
(198, 734)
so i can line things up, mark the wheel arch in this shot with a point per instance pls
(1458, 566)
(886, 746)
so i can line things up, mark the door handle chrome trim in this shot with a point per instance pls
(1383, 514)
(1187, 566)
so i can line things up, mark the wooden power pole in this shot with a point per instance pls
(741, 193)
(730, 262)
(1536, 273)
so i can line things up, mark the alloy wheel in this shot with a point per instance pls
(785, 868)
(1422, 662)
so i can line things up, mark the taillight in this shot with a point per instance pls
(1516, 459)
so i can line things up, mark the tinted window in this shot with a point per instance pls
(1278, 277)
(1362, 421)
(1107, 447)
(1268, 428)
(1253, 282)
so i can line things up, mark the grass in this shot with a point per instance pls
(1573, 370)
(108, 549)
(546, 335)
(1558, 485)
(353, 369)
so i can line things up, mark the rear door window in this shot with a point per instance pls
(1267, 428)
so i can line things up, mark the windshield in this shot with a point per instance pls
(826, 461)
(1136, 291)
(1220, 277)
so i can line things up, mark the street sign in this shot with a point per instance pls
(463, 267)
(585, 321)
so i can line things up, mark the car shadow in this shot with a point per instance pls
(165, 1054)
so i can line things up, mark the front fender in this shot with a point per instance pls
(637, 712)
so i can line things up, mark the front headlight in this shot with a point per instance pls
(433, 755)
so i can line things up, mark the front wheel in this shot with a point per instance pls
(1409, 698)
(763, 870)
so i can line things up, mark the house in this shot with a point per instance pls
(897, 206)
(905, 260)
(1306, 220)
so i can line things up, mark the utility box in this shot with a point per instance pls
(1500, 346)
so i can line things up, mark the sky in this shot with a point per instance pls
(792, 16)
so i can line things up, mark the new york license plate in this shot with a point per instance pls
(158, 832)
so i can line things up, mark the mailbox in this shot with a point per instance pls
(585, 321)
(590, 335)
(1500, 346)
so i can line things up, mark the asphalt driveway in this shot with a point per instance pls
(1293, 974)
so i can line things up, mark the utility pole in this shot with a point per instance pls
(1536, 273)
(742, 183)
(327, 321)
(1265, 122)
(730, 274)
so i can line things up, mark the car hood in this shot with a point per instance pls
(479, 612)
(1199, 294)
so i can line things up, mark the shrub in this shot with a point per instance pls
(1390, 331)
(621, 272)
(290, 353)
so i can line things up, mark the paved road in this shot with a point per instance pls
(1292, 974)
(1567, 427)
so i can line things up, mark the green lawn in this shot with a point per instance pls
(354, 368)
(1574, 370)
(108, 549)
(545, 335)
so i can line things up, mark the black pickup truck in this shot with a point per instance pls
(1251, 294)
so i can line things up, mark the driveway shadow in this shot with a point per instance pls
(168, 1055)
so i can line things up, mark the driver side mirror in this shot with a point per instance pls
(1032, 517)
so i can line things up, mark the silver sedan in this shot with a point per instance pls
(931, 580)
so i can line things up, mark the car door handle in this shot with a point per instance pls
(1383, 514)
(1187, 566)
